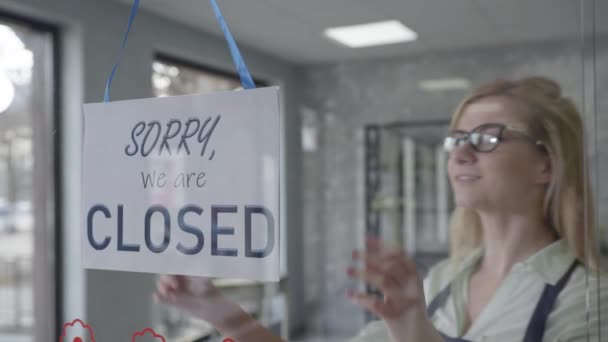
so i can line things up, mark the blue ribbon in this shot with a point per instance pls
(239, 63)
(106, 97)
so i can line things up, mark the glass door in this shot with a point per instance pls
(373, 168)
(27, 183)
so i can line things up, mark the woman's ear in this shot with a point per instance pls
(545, 171)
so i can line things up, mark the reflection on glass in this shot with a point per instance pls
(413, 199)
(172, 78)
(16, 181)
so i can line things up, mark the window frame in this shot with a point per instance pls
(53, 121)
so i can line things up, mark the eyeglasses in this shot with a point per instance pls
(485, 138)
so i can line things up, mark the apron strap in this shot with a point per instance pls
(452, 339)
(536, 326)
(439, 300)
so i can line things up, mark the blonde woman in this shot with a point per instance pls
(518, 262)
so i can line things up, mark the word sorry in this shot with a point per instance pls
(172, 137)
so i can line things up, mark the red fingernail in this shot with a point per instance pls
(355, 254)
(350, 271)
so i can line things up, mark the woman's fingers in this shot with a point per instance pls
(382, 252)
(200, 286)
(161, 298)
(163, 294)
(168, 283)
(169, 286)
(369, 302)
(377, 246)
(172, 286)
(395, 267)
(393, 272)
(371, 277)
(378, 277)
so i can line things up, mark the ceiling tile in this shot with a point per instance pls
(524, 20)
(293, 29)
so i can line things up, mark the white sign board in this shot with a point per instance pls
(183, 185)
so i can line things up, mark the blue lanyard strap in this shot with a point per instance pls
(106, 97)
(239, 63)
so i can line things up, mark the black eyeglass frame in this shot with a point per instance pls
(450, 142)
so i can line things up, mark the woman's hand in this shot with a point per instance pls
(199, 297)
(194, 295)
(402, 306)
(392, 272)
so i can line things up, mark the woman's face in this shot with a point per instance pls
(512, 177)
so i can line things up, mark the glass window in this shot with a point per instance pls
(27, 212)
(171, 77)
(374, 167)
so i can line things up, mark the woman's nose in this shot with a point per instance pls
(463, 154)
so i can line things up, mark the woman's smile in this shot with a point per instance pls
(467, 178)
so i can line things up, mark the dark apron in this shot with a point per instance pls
(536, 326)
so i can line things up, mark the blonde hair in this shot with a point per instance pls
(567, 206)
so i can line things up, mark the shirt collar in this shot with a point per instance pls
(550, 263)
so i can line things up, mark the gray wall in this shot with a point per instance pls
(339, 99)
(117, 303)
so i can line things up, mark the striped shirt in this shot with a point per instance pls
(506, 316)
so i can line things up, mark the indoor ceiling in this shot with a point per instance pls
(292, 29)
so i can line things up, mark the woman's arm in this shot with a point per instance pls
(241, 327)
(402, 306)
(414, 326)
(200, 298)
